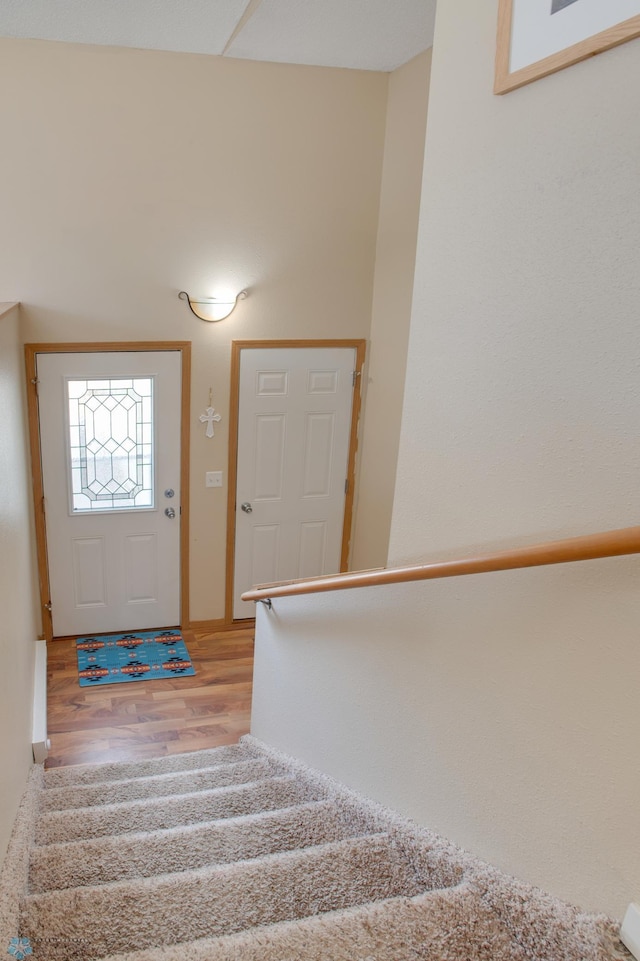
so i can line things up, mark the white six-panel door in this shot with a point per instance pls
(294, 424)
(110, 452)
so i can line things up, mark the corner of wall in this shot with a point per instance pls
(18, 595)
(407, 103)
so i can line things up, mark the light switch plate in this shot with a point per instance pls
(213, 478)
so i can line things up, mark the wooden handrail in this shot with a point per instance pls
(586, 548)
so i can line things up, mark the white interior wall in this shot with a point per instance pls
(521, 415)
(502, 709)
(19, 625)
(522, 399)
(499, 710)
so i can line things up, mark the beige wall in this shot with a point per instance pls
(19, 628)
(521, 424)
(502, 710)
(522, 402)
(129, 175)
(391, 315)
(498, 710)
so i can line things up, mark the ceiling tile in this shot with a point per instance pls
(362, 34)
(197, 26)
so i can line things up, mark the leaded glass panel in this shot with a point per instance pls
(111, 443)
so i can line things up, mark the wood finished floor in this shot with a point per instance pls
(147, 719)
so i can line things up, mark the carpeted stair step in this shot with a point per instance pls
(129, 817)
(156, 785)
(119, 770)
(170, 909)
(287, 866)
(142, 855)
(443, 925)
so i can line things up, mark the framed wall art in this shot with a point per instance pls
(538, 37)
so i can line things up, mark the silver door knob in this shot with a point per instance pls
(246, 507)
(169, 511)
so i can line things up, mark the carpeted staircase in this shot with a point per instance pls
(242, 854)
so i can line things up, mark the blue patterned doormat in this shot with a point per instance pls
(142, 656)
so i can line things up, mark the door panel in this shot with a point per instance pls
(313, 548)
(110, 448)
(318, 454)
(89, 571)
(264, 552)
(294, 425)
(141, 573)
(270, 435)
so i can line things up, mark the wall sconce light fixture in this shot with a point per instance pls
(212, 308)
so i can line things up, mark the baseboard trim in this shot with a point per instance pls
(222, 625)
(39, 737)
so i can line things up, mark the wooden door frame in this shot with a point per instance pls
(31, 350)
(237, 346)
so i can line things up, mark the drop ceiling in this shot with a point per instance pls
(358, 34)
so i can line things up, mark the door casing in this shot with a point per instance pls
(31, 350)
(237, 346)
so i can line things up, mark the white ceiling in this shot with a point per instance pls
(361, 34)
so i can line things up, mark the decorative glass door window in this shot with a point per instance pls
(111, 443)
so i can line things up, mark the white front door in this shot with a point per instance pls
(110, 454)
(294, 427)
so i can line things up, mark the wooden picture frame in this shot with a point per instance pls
(537, 39)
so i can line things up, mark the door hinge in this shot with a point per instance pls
(35, 382)
(356, 374)
(47, 606)
(346, 486)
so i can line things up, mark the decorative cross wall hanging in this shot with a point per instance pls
(210, 416)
